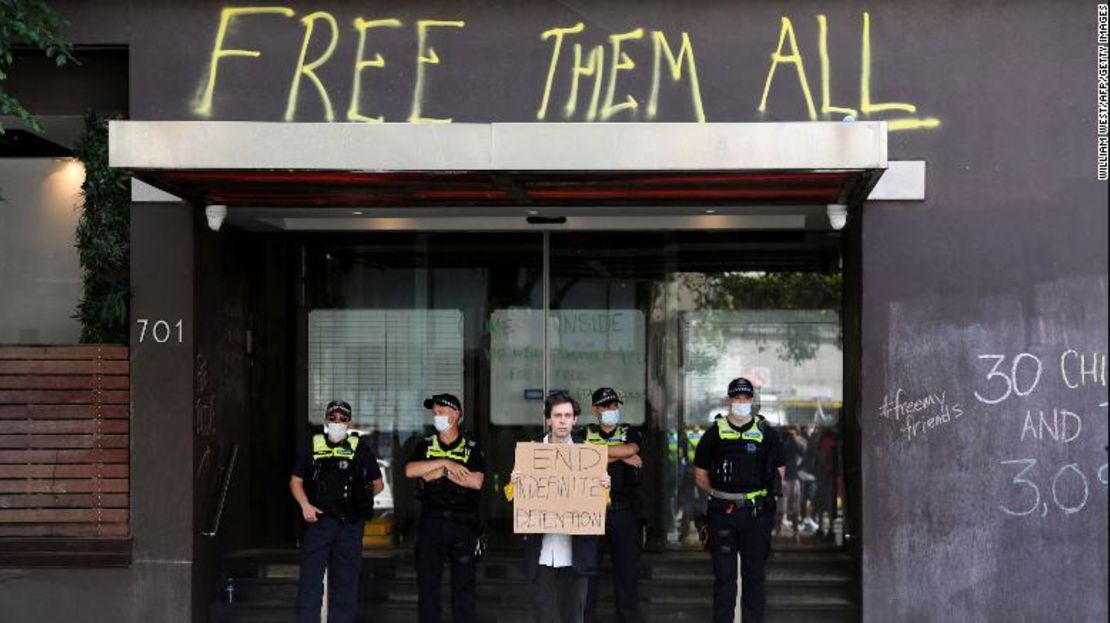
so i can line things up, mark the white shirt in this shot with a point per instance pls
(556, 551)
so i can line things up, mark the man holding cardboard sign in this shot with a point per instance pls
(559, 490)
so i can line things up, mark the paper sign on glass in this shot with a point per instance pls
(561, 490)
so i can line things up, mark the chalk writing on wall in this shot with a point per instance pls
(1038, 487)
(583, 80)
(918, 415)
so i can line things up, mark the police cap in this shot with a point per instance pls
(340, 406)
(740, 387)
(605, 395)
(443, 400)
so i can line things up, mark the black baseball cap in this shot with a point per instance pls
(443, 400)
(740, 387)
(605, 395)
(338, 405)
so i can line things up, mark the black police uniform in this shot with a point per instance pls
(338, 480)
(449, 529)
(622, 526)
(740, 460)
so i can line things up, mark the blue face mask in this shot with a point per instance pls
(742, 409)
(610, 417)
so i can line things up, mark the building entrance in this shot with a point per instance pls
(667, 319)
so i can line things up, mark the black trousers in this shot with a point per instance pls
(558, 595)
(747, 532)
(336, 546)
(441, 539)
(622, 538)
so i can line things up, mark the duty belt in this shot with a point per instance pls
(750, 496)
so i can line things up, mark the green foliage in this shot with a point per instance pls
(30, 23)
(819, 292)
(777, 291)
(103, 245)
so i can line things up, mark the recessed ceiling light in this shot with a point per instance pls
(357, 212)
(710, 211)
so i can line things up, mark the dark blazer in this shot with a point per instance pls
(584, 549)
(583, 554)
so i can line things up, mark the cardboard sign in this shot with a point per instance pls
(560, 491)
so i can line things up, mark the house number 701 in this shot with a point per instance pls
(160, 330)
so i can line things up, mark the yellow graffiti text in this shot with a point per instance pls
(793, 58)
(558, 34)
(621, 62)
(823, 50)
(426, 56)
(788, 52)
(203, 107)
(595, 62)
(590, 62)
(685, 51)
(309, 70)
(865, 105)
(361, 26)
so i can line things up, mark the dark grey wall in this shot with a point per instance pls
(162, 413)
(970, 511)
(495, 68)
(220, 405)
(1007, 259)
(1007, 256)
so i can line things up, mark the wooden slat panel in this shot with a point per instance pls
(85, 485)
(64, 529)
(77, 546)
(92, 351)
(62, 515)
(44, 442)
(84, 500)
(46, 396)
(77, 381)
(115, 470)
(63, 456)
(64, 424)
(58, 427)
(62, 412)
(17, 366)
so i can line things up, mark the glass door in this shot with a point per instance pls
(394, 318)
(667, 319)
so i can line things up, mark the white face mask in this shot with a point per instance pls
(442, 423)
(336, 431)
(742, 409)
(611, 417)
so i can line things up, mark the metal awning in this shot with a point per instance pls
(336, 167)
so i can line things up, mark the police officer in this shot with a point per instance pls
(334, 481)
(622, 523)
(739, 463)
(450, 469)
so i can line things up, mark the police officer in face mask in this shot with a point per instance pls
(334, 481)
(622, 520)
(740, 464)
(449, 468)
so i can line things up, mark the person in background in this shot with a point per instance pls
(791, 487)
